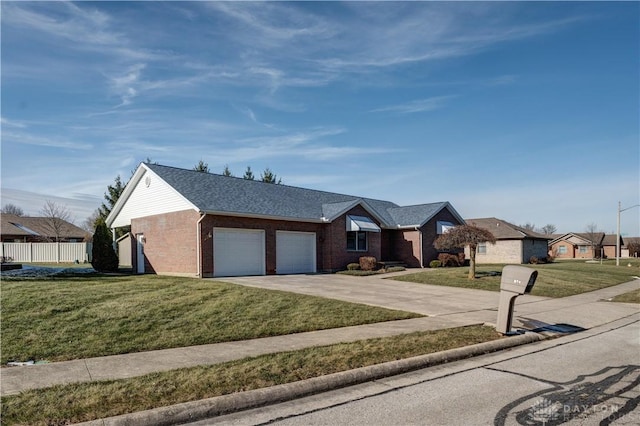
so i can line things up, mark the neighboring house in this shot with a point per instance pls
(630, 247)
(583, 245)
(185, 222)
(609, 245)
(513, 243)
(23, 229)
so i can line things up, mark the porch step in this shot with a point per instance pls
(391, 263)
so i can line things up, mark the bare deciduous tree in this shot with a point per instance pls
(12, 209)
(528, 226)
(549, 229)
(56, 218)
(465, 235)
(89, 224)
(594, 236)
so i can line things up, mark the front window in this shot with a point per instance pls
(562, 250)
(357, 241)
(482, 248)
(582, 249)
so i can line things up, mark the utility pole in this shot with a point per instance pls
(620, 210)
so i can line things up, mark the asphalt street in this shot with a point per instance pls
(590, 377)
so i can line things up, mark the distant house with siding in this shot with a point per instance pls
(514, 244)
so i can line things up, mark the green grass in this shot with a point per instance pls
(630, 297)
(559, 279)
(89, 401)
(71, 318)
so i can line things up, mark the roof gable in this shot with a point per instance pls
(145, 194)
(504, 230)
(580, 238)
(418, 215)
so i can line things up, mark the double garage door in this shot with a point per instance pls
(238, 252)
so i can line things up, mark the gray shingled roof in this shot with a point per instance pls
(223, 194)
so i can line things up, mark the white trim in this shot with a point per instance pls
(361, 223)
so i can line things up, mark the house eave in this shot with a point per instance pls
(262, 216)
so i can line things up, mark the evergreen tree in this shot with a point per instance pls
(202, 167)
(111, 197)
(248, 174)
(269, 177)
(103, 257)
(226, 171)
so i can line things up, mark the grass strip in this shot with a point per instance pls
(71, 318)
(559, 279)
(90, 401)
(630, 297)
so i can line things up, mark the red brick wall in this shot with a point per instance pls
(430, 233)
(171, 241)
(335, 244)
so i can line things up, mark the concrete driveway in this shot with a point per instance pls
(453, 305)
(375, 290)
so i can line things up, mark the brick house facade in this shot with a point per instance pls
(178, 236)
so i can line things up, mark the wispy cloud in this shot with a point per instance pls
(31, 139)
(10, 123)
(420, 105)
(126, 85)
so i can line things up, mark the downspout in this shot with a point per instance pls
(421, 253)
(115, 240)
(199, 245)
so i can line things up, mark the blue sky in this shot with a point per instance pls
(528, 112)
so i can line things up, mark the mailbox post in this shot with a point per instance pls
(516, 280)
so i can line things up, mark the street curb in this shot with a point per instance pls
(226, 404)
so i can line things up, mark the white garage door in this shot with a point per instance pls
(295, 252)
(238, 252)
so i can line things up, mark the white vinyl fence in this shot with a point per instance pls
(47, 252)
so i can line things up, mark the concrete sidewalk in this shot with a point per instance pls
(453, 308)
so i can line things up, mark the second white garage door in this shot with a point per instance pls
(238, 252)
(295, 252)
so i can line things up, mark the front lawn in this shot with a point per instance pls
(559, 279)
(88, 401)
(80, 317)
